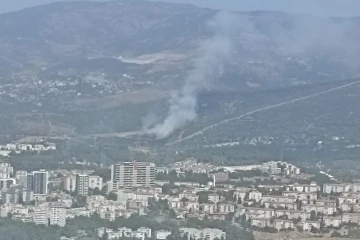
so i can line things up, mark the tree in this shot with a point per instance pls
(336, 234)
(105, 236)
(112, 196)
(203, 197)
(166, 188)
(184, 199)
(172, 213)
(313, 216)
(297, 220)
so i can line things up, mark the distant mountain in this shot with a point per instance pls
(273, 48)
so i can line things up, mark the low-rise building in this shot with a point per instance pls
(340, 188)
(214, 198)
(309, 225)
(283, 224)
(292, 214)
(261, 222)
(162, 234)
(312, 187)
(332, 221)
(207, 233)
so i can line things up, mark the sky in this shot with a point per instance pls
(341, 8)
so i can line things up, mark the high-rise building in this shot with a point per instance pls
(10, 196)
(41, 215)
(17, 194)
(69, 183)
(132, 174)
(37, 181)
(6, 183)
(6, 170)
(82, 184)
(21, 178)
(95, 182)
(57, 214)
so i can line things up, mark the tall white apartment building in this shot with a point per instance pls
(69, 183)
(132, 174)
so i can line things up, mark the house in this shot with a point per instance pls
(332, 221)
(312, 187)
(190, 196)
(192, 206)
(348, 199)
(292, 214)
(146, 231)
(327, 210)
(261, 222)
(350, 207)
(351, 194)
(162, 234)
(301, 195)
(214, 198)
(216, 216)
(284, 199)
(208, 208)
(255, 195)
(240, 193)
(283, 224)
(286, 205)
(226, 208)
(207, 233)
(340, 188)
(259, 212)
(308, 225)
(325, 202)
(176, 204)
(351, 218)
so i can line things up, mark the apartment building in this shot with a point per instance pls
(57, 214)
(95, 182)
(132, 174)
(69, 183)
(37, 181)
(82, 184)
(41, 215)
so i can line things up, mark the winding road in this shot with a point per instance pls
(200, 132)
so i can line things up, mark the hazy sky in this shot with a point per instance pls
(315, 7)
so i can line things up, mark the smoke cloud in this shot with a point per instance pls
(212, 54)
(149, 121)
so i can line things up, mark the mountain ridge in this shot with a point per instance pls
(273, 47)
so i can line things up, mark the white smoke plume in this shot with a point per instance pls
(208, 66)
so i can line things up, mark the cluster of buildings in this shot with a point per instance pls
(272, 167)
(206, 233)
(51, 197)
(19, 147)
(194, 166)
(302, 207)
(140, 233)
(146, 233)
(188, 205)
(20, 191)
